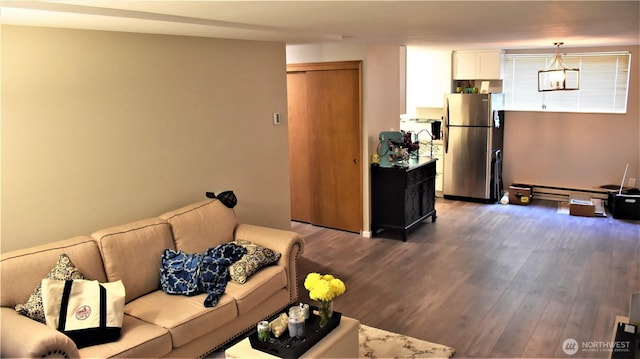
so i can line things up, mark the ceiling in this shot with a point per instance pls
(439, 24)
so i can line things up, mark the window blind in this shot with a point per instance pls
(604, 83)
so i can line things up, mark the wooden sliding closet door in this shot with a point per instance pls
(325, 136)
(299, 147)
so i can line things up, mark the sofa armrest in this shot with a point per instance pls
(289, 244)
(22, 337)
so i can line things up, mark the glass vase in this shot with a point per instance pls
(325, 311)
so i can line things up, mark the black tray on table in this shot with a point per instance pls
(287, 347)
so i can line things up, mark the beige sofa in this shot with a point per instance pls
(156, 324)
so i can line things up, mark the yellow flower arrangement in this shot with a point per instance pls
(324, 287)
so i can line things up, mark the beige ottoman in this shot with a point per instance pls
(342, 342)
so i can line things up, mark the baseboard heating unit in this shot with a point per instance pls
(563, 194)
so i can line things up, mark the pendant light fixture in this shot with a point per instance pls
(557, 76)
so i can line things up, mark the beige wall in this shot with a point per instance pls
(102, 128)
(383, 94)
(575, 149)
(385, 102)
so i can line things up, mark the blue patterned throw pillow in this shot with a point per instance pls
(215, 270)
(191, 274)
(180, 272)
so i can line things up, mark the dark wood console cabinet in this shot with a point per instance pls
(402, 196)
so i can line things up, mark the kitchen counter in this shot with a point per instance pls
(413, 163)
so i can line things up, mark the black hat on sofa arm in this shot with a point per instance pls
(228, 198)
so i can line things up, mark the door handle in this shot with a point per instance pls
(445, 132)
(355, 161)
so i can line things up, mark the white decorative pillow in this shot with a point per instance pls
(255, 258)
(63, 270)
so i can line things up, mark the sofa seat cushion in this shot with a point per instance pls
(138, 339)
(186, 318)
(262, 285)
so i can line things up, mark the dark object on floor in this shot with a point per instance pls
(625, 205)
(625, 341)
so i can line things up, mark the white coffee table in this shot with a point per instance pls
(342, 342)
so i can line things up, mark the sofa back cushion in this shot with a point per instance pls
(131, 253)
(21, 271)
(201, 225)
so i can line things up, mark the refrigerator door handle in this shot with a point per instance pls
(445, 128)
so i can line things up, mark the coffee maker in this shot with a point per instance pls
(395, 148)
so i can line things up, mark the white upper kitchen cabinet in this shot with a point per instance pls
(477, 65)
(428, 77)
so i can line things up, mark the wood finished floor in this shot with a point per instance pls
(488, 280)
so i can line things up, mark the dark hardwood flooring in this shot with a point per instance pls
(489, 280)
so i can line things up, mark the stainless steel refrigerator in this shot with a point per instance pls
(473, 136)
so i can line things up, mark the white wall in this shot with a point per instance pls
(383, 93)
(385, 102)
(327, 52)
(103, 128)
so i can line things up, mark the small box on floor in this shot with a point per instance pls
(520, 194)
(582, 207)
